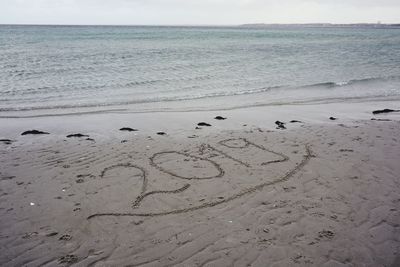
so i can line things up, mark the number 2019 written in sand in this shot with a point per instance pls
(202, 170)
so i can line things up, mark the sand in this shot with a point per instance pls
(238, 193)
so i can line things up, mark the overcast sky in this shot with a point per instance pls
(197, 12)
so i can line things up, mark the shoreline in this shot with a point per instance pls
(289, 95)
(107, 123)
(139, 109)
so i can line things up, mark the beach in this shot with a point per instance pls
(284, 185)
(200, 145)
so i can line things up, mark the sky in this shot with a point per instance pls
(197, 12)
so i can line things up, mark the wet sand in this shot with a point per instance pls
(237, 193)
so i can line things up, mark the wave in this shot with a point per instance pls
(354, 82)
(293, 89)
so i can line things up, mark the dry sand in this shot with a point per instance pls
(315, 194)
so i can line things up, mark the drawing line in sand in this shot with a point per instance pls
(153, 163)
(245, 143)
(228, 156)
(230, 143)
(250, 190)
(129, 165)
(143, 174)
(139, 199)
(156, 165)
(225, 142)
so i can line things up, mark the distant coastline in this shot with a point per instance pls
(324, 25)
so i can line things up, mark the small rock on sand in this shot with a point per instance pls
(161, 133)
(128, 129)
(281, 125)
(33, 132)
(220, 118)
(386, 110)
(203, 124)
(77, 135)
(332, 118)
(374, 119)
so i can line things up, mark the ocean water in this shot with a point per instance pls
(152, 68)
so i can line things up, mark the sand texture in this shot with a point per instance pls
(311, 195)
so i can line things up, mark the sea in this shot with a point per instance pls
(145, 68)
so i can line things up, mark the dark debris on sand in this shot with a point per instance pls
(386, 110)
(204, 124)
(332, 118)
(280, 125)
(77, 135)
(6, 141)
(33, 132)
(128, 129)
(374, 119)
(161, 133)
(295, 121)
(220, 118)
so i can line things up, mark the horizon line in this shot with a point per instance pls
(211, 25)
